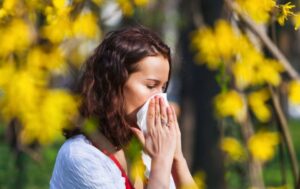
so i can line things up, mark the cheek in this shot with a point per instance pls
(135, 98)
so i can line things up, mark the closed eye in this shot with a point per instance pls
(150, 87)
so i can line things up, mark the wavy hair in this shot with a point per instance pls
(105, 74)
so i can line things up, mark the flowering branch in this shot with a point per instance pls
(283, 125)
(265, 39)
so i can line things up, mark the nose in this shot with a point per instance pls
(158, 91)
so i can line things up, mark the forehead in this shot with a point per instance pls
(156, 67)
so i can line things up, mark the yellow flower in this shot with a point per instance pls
(35, 5)
(230, 104)
(226, 39)
(59, 26)
(204, 41)
(252, 68)
(258, 10)
(86, 25)
(268, 72)
(233, 148)
(39, 59)
(257, 101)
(294, 92)
(262, 145)
(6, 71)
(21, 95)
(126, 7)
(9, 4)
(60, 4)
(244, 74)
(45, 124)
(141, 3)
(199, 178)
(3, 13)
(216, 46)
(285, 12)
(296, 20)
(15, 37)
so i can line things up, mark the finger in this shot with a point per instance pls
(157, 113)
(163, 110)
(175, 119)
(139, 134)
(170, 117)
(151, 115)
(174, 115)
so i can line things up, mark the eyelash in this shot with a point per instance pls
(151, 87)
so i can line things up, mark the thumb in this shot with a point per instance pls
(139, 134)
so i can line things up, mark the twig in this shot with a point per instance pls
(255, 167)
(285, 133)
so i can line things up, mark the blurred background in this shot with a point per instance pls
(235, 83)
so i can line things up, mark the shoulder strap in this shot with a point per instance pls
(128, 184)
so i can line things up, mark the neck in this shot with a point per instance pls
(102, 142)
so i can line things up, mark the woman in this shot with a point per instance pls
(129, 67)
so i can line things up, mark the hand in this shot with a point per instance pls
(160, 139)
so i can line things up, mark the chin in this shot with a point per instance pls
(131, 118)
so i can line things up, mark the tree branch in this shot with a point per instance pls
(265, 39)
(284, 130)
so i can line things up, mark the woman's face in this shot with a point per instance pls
(150, 78)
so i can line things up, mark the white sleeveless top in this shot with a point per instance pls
(79, 165)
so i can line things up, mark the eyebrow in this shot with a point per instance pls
(156, 80)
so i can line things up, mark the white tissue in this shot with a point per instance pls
(141, 121)
(142, 113)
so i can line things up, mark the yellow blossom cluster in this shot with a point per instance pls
(59, 16)
(296, 20)
(39, 58)
(232, 104)
(253, 69)
(42, 112)
(199, 178)
(257, 102)
(127, 6)
(39, 39)
(262, 10)
(294, 92)
(258, 10)
(217, 46)
(233, 149)
(45, 123)
(285, 12)
(225, 46)
(262, 145)
(16, 36)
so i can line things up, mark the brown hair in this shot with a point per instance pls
(106, 72)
